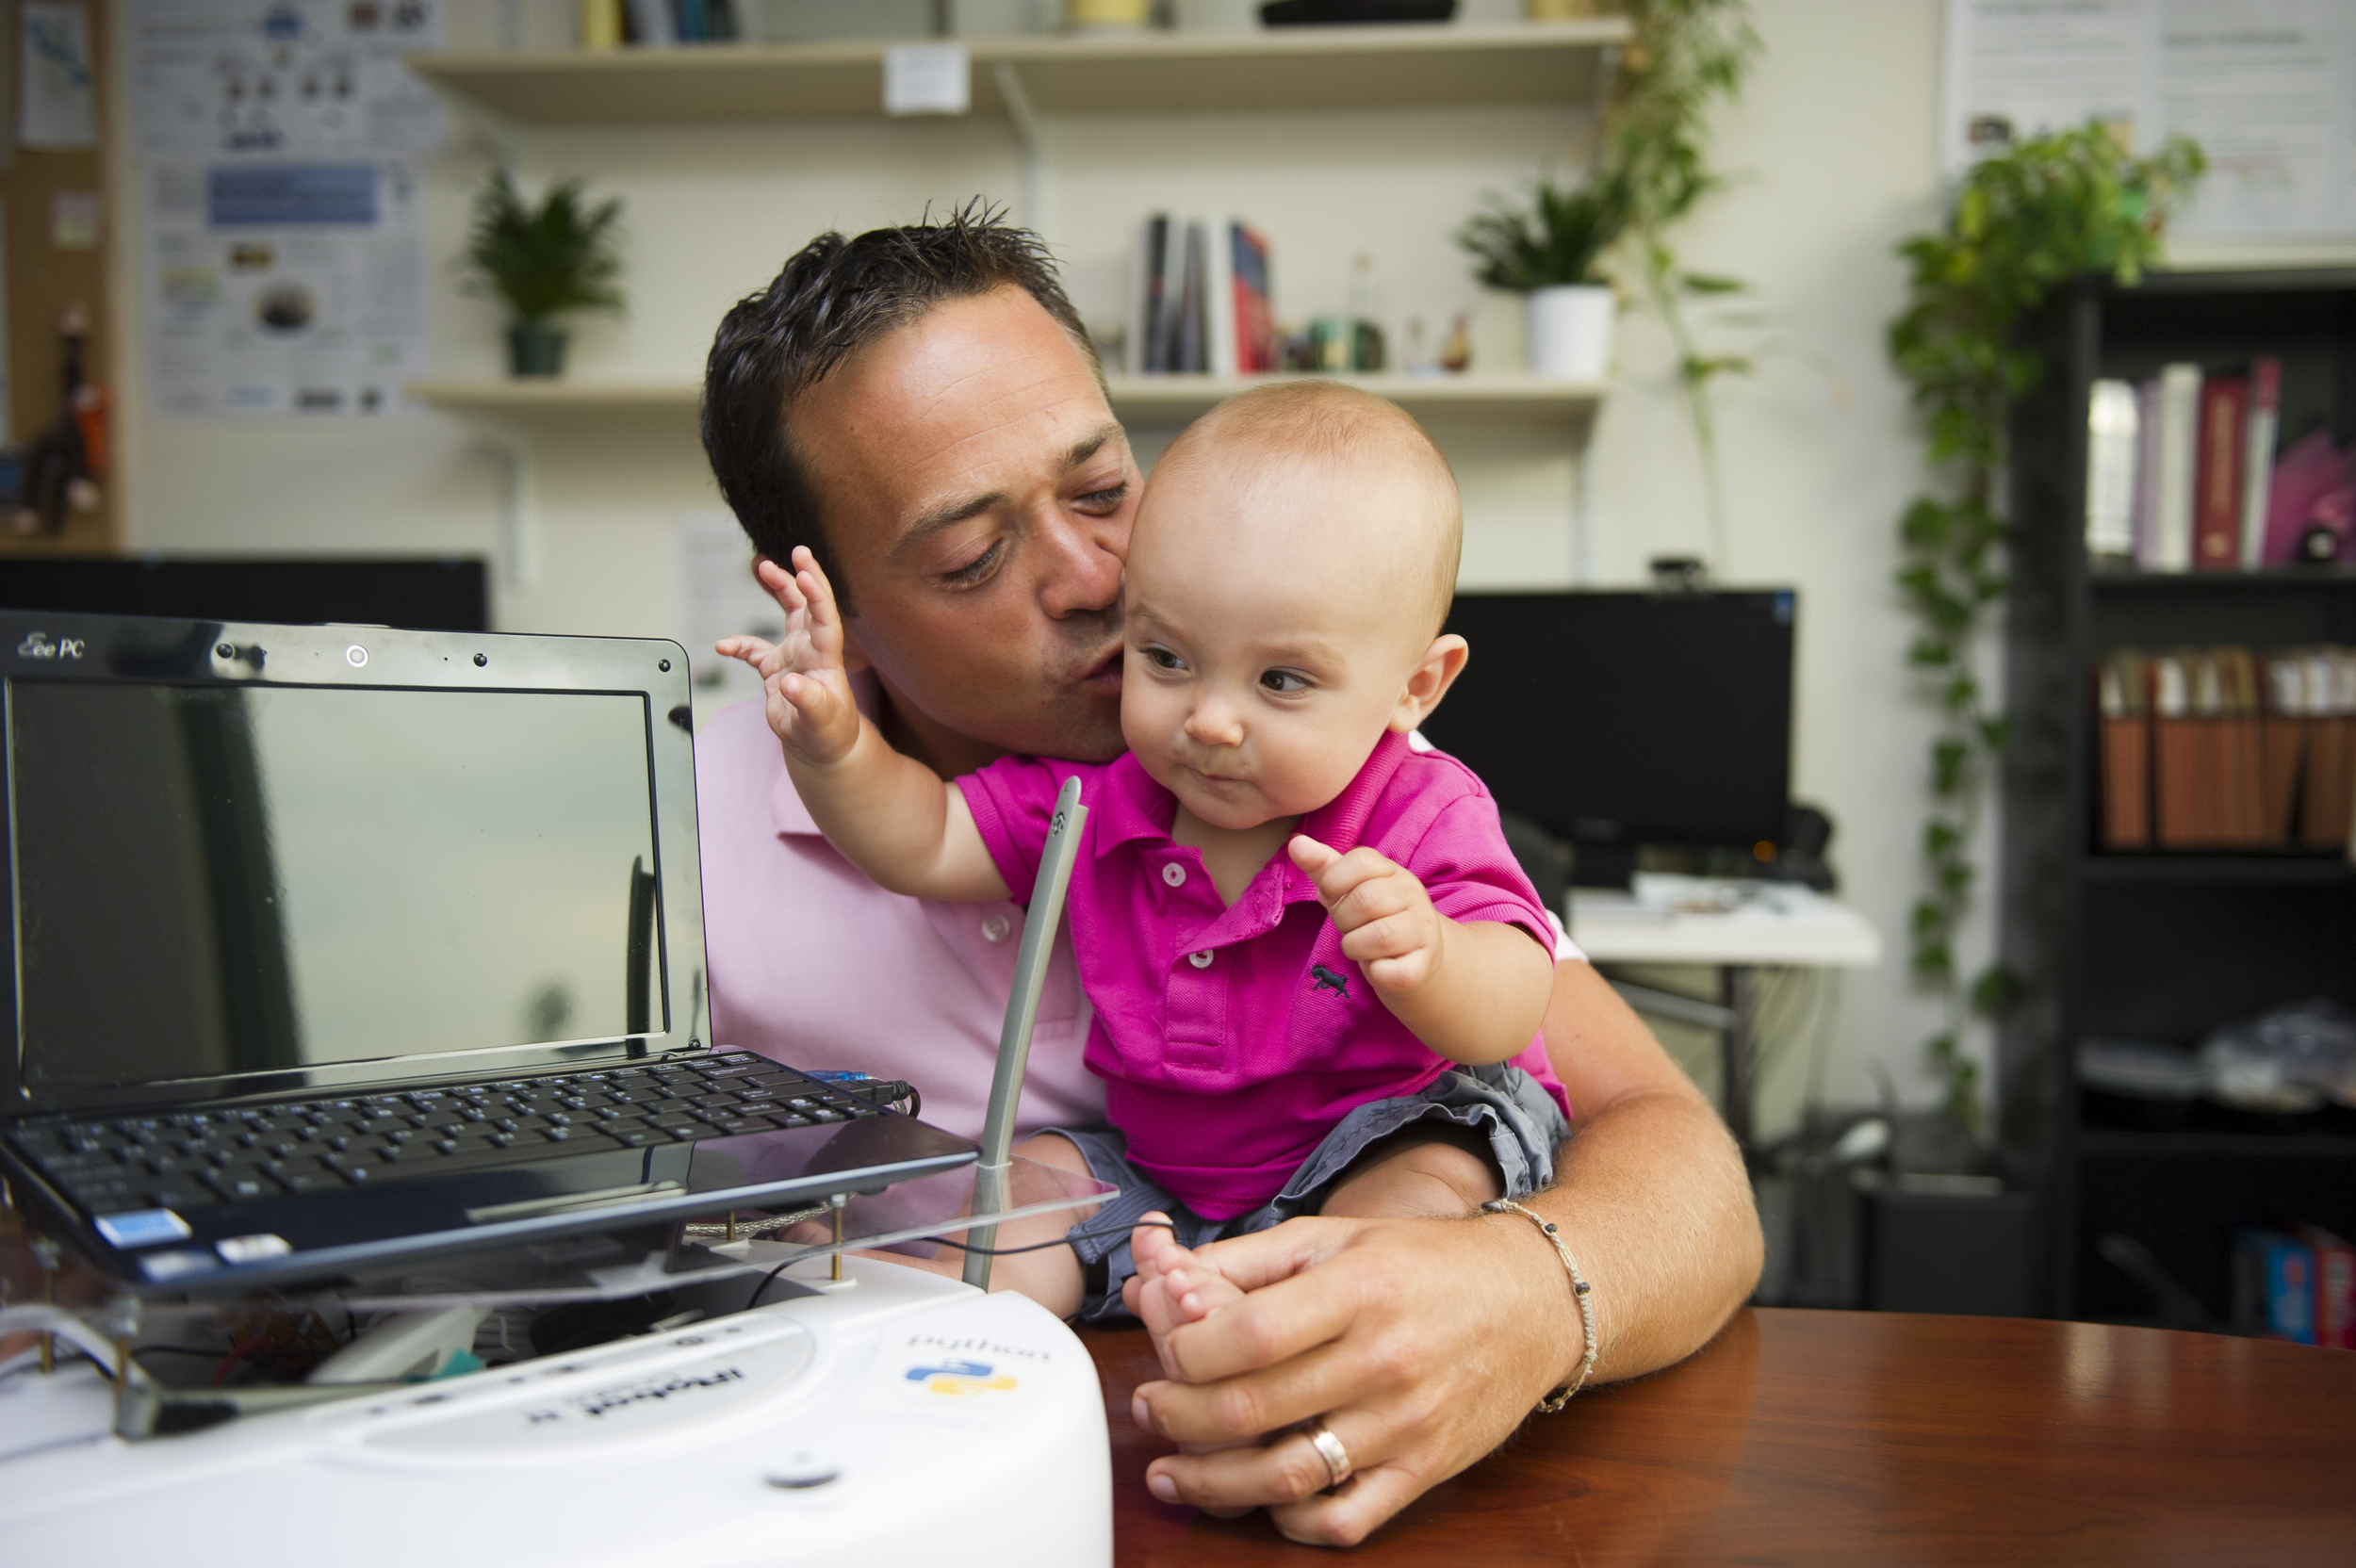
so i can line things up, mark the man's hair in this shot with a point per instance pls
(835, 297)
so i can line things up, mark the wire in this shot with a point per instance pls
(1076, 1234)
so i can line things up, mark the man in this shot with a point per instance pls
(921, 407)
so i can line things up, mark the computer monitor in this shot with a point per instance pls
(1619, 719)
(419, 594)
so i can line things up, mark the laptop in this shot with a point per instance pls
(334, 947)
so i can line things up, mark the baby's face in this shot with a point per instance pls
(1273, 618)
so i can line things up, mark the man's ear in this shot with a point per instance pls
(853, 659)
(1428, 681)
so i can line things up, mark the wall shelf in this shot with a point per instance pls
(1391, 67)
(1132, 396)
(2254, 870)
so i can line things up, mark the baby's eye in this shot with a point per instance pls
(1162, 659)
(1284, 682)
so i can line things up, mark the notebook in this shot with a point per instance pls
(336, 947)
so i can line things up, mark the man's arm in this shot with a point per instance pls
(1423, 1344)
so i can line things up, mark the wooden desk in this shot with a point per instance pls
(1835, 1437)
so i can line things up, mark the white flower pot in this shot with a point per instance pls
(1570, 331)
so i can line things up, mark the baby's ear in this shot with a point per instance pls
(1428, 681)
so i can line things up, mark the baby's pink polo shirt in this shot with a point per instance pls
(1233, 1040)
(814, 965)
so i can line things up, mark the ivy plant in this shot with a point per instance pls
(2024, 222)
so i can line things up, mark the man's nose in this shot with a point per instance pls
(1080, 572)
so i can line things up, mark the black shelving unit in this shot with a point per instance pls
(2158, 946)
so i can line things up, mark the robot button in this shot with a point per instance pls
(801, 1472)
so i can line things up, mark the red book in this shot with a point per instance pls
(2216, 496)
(2335, 1286)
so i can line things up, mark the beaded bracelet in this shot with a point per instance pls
(1561, 1396)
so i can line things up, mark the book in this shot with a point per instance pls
(1219, 343)
(2334, 1316)
(2178, 462)
(2224, 439)
(2144, 524)
(2263, 427)
(1188, 344)
(2111, 470)
(1148, 345)
(2282, 745)
(1255, 303)
(2274, 1287)
(2122, 698)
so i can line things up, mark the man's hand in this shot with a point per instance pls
(1422, 1343)
(809, 691)
(1388, 925)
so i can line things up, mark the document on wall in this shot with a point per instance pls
(2267, 87)
(285, 265)
(719, 597)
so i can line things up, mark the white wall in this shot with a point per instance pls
(1833, 150)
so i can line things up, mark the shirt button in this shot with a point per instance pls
(1199, 960)
(1174, 874)
(994, 928)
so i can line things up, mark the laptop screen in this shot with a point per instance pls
(213, 880)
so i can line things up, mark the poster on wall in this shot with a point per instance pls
(278, 141)
(2267, 87)
(55, 105)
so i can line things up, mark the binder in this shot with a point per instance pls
(2179, 462)
(2282, 745)
(2328, 793)
(2123, 700)
(2176, 753)
(2111, 470)
(2257, 467)
(2242, 794)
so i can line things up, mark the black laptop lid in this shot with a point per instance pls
(256, 860)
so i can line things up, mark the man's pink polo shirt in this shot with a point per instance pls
(814, 965)
(1233, 1040)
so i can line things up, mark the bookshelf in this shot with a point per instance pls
(2159, 946)
(1132, 396)
(1395, 66)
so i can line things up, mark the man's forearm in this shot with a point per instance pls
(1649, 1192)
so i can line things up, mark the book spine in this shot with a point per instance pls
(650, 23)
(2175, 753)
(2111, 470)
(2146, 501)
(1220, 317)
(2335, 1286)
(2217, 486)
(2245, 785)
(2274, 1285)
(2283, 742)
(2265, 419)
(2179, 457)
(1154, 352)
(1190, 344)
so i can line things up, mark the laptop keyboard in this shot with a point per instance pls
(188, 1160)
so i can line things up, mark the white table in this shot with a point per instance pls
(1732, 926)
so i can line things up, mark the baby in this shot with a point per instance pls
(1318, 974)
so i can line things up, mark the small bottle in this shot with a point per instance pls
(1456, 354)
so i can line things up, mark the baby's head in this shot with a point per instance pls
(1293, 559)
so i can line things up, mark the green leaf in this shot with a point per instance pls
(1703, 283)
(1996, 990)
(1933, 961)
(1948, 760)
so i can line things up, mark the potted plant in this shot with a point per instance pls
(544, 261)
(1548, 254)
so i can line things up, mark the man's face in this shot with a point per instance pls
(977, 495)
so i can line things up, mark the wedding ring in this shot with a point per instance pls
(1330, 1449)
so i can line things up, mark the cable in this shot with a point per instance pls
(1065, 1240)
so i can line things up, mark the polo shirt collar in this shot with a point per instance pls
(787, 814)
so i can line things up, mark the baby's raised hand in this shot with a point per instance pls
(809, 700)
(1387, 922)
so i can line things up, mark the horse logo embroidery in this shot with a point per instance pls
(1326, 980)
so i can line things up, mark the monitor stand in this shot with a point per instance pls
(1595, 864)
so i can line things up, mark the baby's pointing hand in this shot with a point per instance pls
(1387, 922)
(809, 691)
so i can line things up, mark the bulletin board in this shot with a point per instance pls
(51, 200)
